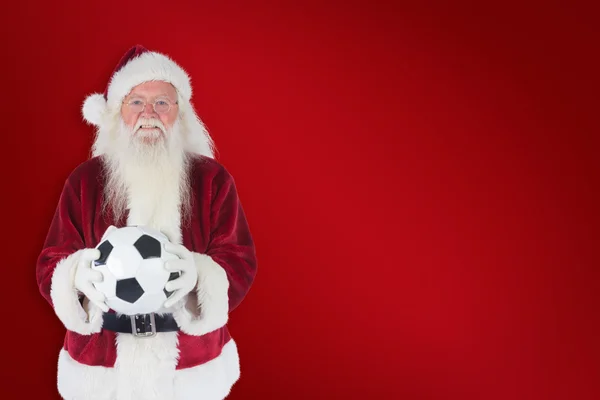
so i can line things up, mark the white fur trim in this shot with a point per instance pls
(146, 367)
(93, 108)
(209, 381)
(65, 299)
(212, 380)
(208, 308)
(148, 66)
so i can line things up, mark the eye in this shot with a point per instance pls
(136, 102)
(161, 103)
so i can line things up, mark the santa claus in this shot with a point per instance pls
(152, 164)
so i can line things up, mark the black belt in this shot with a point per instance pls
(143, 325)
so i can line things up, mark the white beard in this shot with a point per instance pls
(148, 179)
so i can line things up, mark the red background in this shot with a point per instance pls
(421, 182)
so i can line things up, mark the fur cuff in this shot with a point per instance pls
(207, 308)
(84, 319)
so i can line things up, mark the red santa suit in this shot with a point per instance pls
(199, 360)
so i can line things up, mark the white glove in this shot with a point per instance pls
(186, 266)
(85, 276)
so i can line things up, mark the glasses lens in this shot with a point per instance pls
(161, 106)
(136, 105)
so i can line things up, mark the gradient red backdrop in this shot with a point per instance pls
(421, 183)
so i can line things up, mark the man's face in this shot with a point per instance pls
(143, 122)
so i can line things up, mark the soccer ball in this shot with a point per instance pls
(132, 262)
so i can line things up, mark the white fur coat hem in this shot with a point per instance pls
(210, 381)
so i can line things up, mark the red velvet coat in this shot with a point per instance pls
(218, 234)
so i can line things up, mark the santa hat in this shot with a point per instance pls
(136, 66)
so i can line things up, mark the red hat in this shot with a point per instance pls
(137, 65)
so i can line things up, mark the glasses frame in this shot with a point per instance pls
(171, 104)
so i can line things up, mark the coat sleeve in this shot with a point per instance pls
(56, 264)
(227, 269)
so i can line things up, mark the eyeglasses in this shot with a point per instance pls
(161, 105)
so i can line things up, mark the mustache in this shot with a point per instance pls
(153, 122)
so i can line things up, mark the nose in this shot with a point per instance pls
(148, 111)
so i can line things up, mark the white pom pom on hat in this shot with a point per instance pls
(93, 108)
(137, 65)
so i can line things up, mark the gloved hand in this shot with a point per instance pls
(186, 266)
(85, 276)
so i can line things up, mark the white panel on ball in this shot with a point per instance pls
(124, 261)
(123, 307)
(152, 275)
(150, 302)
(125, 236)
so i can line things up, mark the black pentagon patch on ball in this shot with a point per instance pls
(148, 247)
(129, 290)
(105, 248)
(174, 275)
